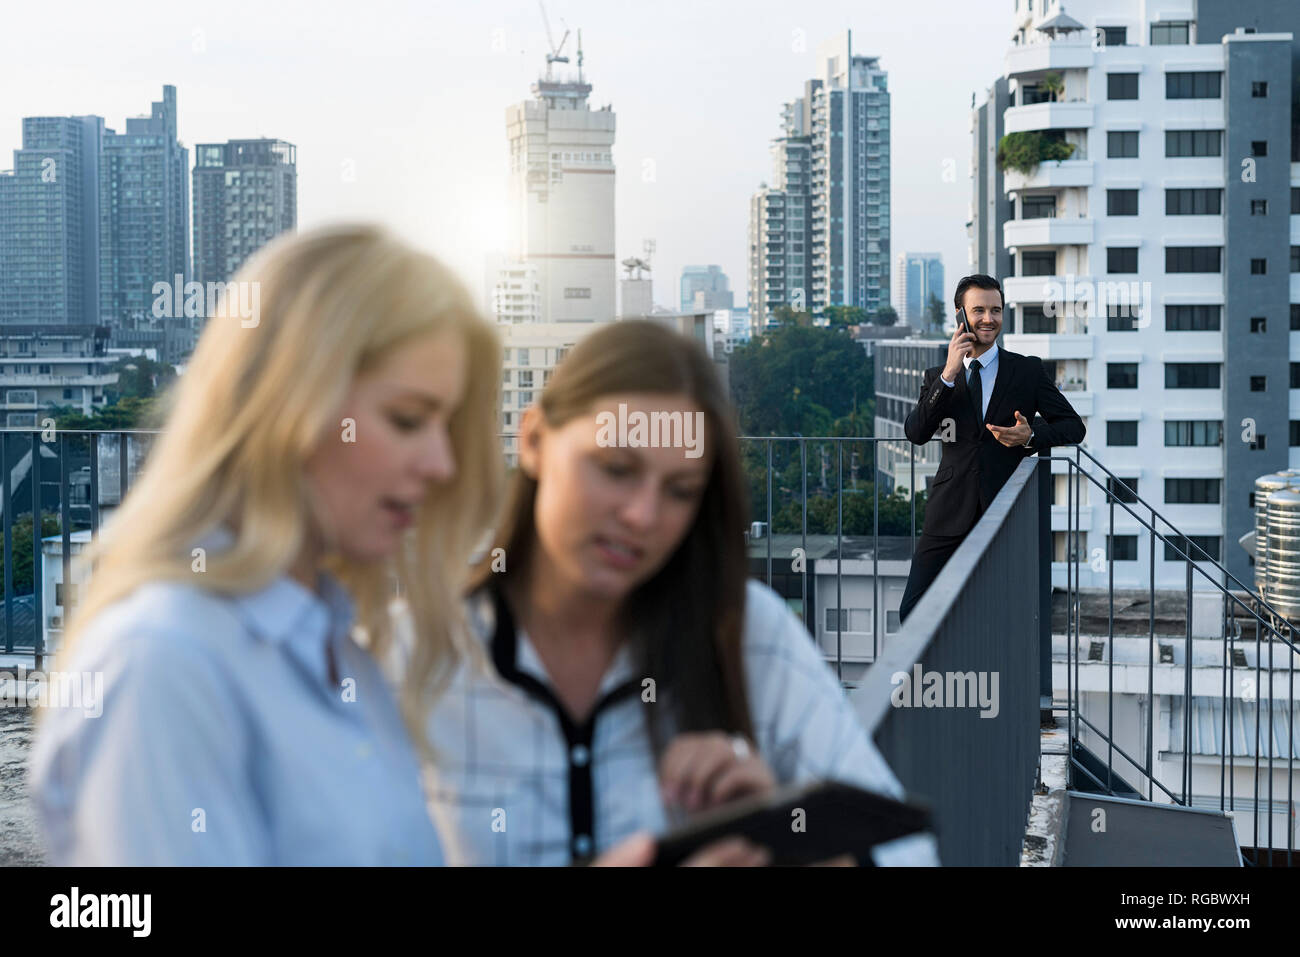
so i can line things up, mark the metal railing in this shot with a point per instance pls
(977, 771)
(90, 462)
(1242, 605)
(38, 470)
(766, 447)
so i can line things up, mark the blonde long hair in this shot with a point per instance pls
(253, 405)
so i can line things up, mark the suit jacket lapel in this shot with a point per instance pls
(1006, 369)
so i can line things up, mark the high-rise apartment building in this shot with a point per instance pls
(558, 279)
(1153, 267)
(820, 235)
(245, 194)
(49, 224)
(917, 277)
(562, 198)
(144, 230)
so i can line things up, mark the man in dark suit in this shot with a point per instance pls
(981, 401)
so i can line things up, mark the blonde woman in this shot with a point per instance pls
(341, 449)
(343, 446)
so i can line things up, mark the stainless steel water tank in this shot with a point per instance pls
(1283, 556)
(1265, 486)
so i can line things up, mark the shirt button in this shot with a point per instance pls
(582, 845)
(580, 755)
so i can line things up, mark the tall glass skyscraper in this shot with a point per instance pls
(49, 231)
(919, 276)
(144, 229)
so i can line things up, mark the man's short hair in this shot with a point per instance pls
(979, 281)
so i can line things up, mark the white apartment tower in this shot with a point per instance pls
(558, 281)
(562, 198)
(1149, 246)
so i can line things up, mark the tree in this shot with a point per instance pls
(139, 377)
(789, 316)
(21, 545)
(1053, 85)
(129, 413)
(799, 380)
(886, 316)
(935, 316)
(841, 317)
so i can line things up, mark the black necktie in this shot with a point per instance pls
(976, 390)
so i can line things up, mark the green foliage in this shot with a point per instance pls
(858, 517)
(132, 412)
(935, 315)
(1024, 151)
(1052, 84)
(21, 545)
(886, 316)
(789, 316)
(138, 377)
(821, 461)
(841, 317)
(802, 380)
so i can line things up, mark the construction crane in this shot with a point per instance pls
(556, 54)
(634, 264)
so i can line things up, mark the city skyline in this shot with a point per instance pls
(374, 143)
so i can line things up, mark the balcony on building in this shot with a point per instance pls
(1063, 53)
(1048, 116)
(1047, 231)
(1050, 174)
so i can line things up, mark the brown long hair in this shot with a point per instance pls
(686, 621)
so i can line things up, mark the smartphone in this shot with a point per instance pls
(961, 321)
(802, 824)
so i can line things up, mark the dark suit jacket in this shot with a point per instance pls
(975, 465)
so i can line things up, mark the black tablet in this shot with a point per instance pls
(803, 824)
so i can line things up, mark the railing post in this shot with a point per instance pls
(38, 603)
(8, 544)
(1045, 590)
(65, 531)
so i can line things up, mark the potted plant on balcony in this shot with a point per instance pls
(1024, 151)
(1053, 84)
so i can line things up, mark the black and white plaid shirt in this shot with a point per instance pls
(517, 782)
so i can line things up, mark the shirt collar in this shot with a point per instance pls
(517, 660)
(286, 608)
(986, 360)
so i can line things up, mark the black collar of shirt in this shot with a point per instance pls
(578, 737)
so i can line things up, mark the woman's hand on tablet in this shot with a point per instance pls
(639, 851)
(703, 769)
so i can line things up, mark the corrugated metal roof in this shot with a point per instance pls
(1209, 728)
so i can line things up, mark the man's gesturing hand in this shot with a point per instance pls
(1012, 436)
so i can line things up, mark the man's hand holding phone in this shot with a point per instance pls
(959, 347)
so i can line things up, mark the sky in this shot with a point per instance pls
(397, 107)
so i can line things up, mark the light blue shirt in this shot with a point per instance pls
(988, 375)
(222, 740)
